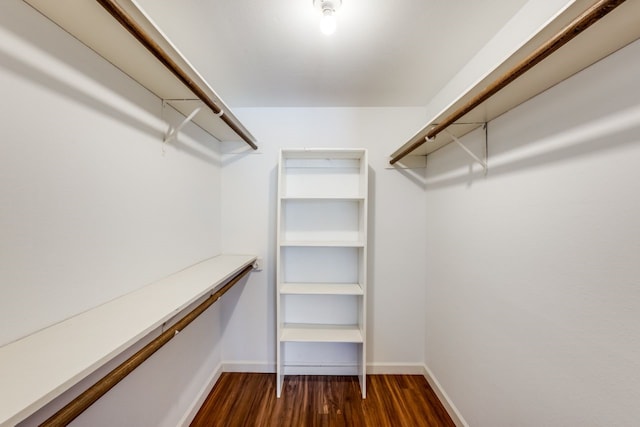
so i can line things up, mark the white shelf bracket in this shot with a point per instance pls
(172, 132)
(482, 163)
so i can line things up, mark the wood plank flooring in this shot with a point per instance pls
(248, 399)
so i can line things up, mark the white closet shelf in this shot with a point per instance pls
(41, 366)
(323, 244)
(325, 198)
(614, 31)
(321, 289)
(298, 332)
(92, 25)
(323, 153)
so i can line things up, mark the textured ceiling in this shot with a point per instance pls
(258, 53)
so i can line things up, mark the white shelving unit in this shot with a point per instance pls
(321, 262)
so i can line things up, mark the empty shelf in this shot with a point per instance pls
(328, 244)
(39, 367)
(321, 289)
(93, 25)
(293, 332)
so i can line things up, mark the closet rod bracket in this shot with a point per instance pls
(172, 132)
(483, 163)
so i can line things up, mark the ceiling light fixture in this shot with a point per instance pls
(328, 9)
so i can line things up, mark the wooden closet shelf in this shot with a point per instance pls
(123, 34)
(599, 28)
(41, 366)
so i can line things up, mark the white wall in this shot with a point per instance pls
(95, 206)
(533, 282)
(396, 246)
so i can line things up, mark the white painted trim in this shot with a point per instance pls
(453, 412)
(372, 368)
(270, 368)
(202, 396)
(338, 369)
(249, 366)
(395, 369)
(321, 370)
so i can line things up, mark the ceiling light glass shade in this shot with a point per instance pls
(328, 22)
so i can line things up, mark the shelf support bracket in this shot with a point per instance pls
(172, 132)
(482, 163)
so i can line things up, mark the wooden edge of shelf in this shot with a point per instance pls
(531, 60)
(144, 29)
(94, 23)
(31, 382)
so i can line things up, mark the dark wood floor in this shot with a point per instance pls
(242, 399)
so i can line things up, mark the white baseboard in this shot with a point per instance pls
(202, 396)
(372, 368)
(453, 412)
(395, 369)
(270, 368)
(337, 369)
(249, 366)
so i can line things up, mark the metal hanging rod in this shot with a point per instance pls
(577, 26)
(138, 32)
(78, 405)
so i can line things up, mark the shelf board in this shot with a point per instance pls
(92, 25)
(325, 197)
(321, 289)
(297, 332)
(325, 244)
(614, 31)
(323, 153)
(39, 367)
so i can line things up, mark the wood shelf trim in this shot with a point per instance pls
(298, 332)
(81, 403)
(124, 35)
(509, 85)
(38, 368)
